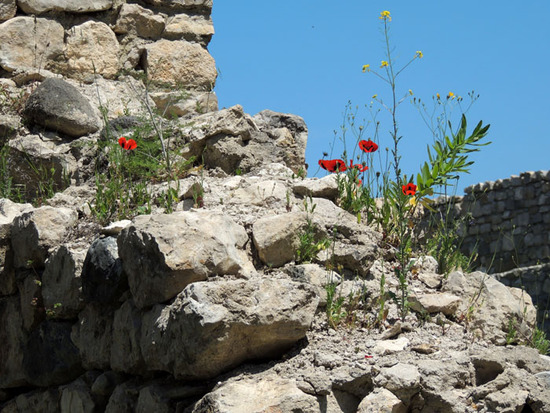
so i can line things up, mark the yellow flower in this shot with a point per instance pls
(419, 54)
(410, 92)
(366, 68)
(385, 15)
(437, 95)
(383, 63)
(451, 95)
(374, 96)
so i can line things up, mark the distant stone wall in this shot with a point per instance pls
(508, 222)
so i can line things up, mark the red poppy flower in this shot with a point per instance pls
(362, 168)
(368, 146)
(409, 189)
(127, 144)
(334, 165)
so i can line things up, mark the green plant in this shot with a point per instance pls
(540, 342)
(309, 243)
(335, 302)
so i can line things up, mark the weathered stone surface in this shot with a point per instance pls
(384, 347)
(125, 350)
(135, 19)
(102, 277)
(36, 401)
(277, 237)
(50, 357)
(59, 106)
(220, 324)
(124, 397)
(494, 305)
(13, 341)
(9, 125)
(91, 48)
(8, 211)
(161, 254)
(7, 9)
(77, 397)
(402, 379)
(326, 187)
(435, 303)
(71, 6)
(33, 162)
(30, 294)
(191, 28)
(62, 283)
(172, 104)
(316, 276)
(204, 6)
(180, 63)
(37, 232)
(267, 393)
(30, 43)
(93, 335)
(383, 401)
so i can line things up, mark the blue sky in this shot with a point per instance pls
(305, 57)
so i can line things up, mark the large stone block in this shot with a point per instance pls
(212, 327)
(161, 254)
(71, 6)
(29, 43)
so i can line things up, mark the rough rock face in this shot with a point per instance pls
(162, 254)
(220, 324)
(59, 106)
(7, 9)
(30, 43)
(73, 6)
(134, 18)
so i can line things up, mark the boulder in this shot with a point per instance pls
(13, 339)
(435, 303)
(181, 64)
(186, 104)
(37, 232)
(381, 400)
(92, 336)
(103, 280)
(277, 238)
(77, 397)
(90, 48)
(62, 283)
(326, 187)
(7, 9)
(403, 380)
(50, 356)
(137, 20)
(70, 6)
(220, 324)
(40, 167)
(8, 211)
(196, 28)
(161, 254)
(264, 393)
(30, 43)
(125, 350)
(59, 106)
(491, 306)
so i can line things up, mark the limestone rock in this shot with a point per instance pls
(9, 125)
(35, 401)
(491, 305)
(384, 347)
(277, 237)
(125, 350)
(403, 380)
(267, 393)
(51, 358)
(191, 28)
(326, 187)
(71, 6)
(38, 165)
(30, 294)
(8, 211)
(133, 18)
(161, 254)
(187, 104)
(13, 341)
(203, 6)
(30, 43)
(220, 324)
(124, 397)
(92, 336)
(62, 283)
(77, 397)
(435, 303)
(91, 48)
(383, 401)
(180, 63)
(103, 280)
(37, 232)
(7, 9)
(316, 276)
(59, 106)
